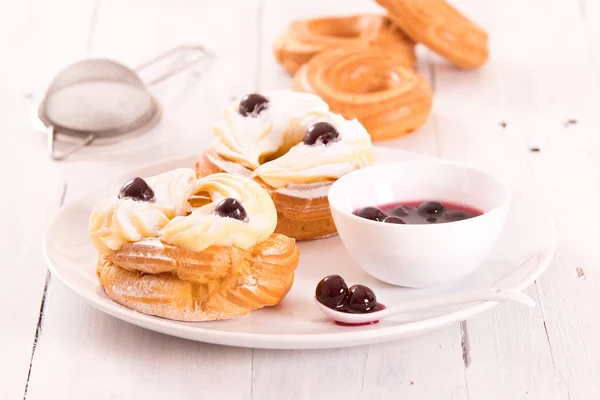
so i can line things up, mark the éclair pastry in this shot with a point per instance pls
(367, 84)
(305, 38)
(192, 249)
(442, 28)
(295, 148)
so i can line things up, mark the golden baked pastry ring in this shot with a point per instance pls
(201, 265)
(442, 28)
(366, 84)
(306, 38)
(234, 281)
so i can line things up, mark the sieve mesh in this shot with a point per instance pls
(103, 101)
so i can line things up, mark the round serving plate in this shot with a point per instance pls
(524, 251)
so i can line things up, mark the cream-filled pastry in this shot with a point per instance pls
(163, 252)
(295, 148)
(347, 149)
(118, 219)
(260, 128)
(206, 227)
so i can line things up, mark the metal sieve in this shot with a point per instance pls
(101, 101)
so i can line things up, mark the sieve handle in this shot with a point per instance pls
(190, 49)
(56, 156)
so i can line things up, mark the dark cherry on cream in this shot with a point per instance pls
(252, 104)
(418, 212)
(137, 189)
(333, 293)
(231, 208)
(321, 132)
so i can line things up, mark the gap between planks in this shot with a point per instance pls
(40, 323)
(543, 312)
(465, 345)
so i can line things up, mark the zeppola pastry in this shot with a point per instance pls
(367, 84)
(305, 38)
(295, 148)
(192, 249)
(439, 26)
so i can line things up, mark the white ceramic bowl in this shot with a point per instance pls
(419, 256)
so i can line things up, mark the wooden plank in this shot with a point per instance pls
(375, 371)
(428, 367)
(33, 37)
(590, 14)
(565, 180)
(92, 347)
(496, 118)
(84, 353)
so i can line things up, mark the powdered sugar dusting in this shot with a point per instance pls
(250, 283)
(229, 166)
(307, 191)
(150, 248)
(304, 191)
(153, 242)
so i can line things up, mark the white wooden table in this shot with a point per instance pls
(541, 89)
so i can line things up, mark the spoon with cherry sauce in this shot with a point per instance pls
(358, 304)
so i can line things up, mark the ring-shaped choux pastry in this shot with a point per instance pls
(295, 148)
(388, 99)
(305, 38)
(192, 249)
(442, 28)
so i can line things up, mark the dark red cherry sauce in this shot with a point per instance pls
(418, 212)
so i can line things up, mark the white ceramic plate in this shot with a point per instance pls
(524, 251)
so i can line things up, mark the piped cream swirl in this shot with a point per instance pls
(252, 140)
(115, 221)
(203, 228)
(271, 143)
(321, 162)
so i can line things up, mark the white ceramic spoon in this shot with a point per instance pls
(414, 305)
